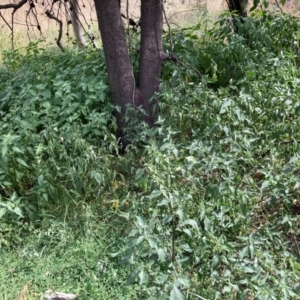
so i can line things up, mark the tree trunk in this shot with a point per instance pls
(120, 74)
(123, 89)
(151, 54)
(77, 28)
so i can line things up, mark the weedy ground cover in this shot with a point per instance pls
(203, 206)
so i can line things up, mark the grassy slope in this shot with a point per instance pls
(226, 153)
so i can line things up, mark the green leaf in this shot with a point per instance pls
(140, 222)
(132, 277)
(191, 159)
(186, 247)
(265, 184)
(192, 223)
(139, 240)
(143, 277)
(161, 278)
(46, 104)
(41, 180)
(47, 95)
(265, 3)
(3, 211)
(244, 252)
(187, 231)
(183, 280)
(255, 4)
(154, 194)
(175, 152)
(162, 254)
(176, 294)
(97, 176)
(26, 125)
(248, 269)
(17, 149)
(18, 211)
(21, 162)
(152, 242)
(139, 173)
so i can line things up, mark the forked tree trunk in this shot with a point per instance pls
(77, 28)
(123, 88)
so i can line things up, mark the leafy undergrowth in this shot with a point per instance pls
(203, 206)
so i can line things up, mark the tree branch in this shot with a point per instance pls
(15, 6)
(173, 57)
(1, 16)
(58, 40)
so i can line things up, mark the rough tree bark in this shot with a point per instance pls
(123, 88)
(119, 69)
(151, 53)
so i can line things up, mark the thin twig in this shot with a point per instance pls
(15, 6)
(287, 142)
(175, 59)
(197, 296)
(50, 16)
(1, 16)
(169, 29)
(183, 11)
(28, 16)
(91, 36)
(279, 6)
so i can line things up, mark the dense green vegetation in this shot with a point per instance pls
(204, 206)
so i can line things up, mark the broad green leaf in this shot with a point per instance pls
(192, 223)
(162, 254)
(244, 252)
(186, 247)
(183, 280)
(152, 242)
(47, 95)
(143, 277)
(17, 149)
(140, 222)
(139, 240)
(132, 277)
(22, 162)
(161, 278)
(176, 294)
(2, 212)
(154, 194)
(265, 3)
(18, 211)
(46, 104)
(97, 176)
(139, 173)
(248, 269)
(187, 231)
(41, 180)
(265, 184)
